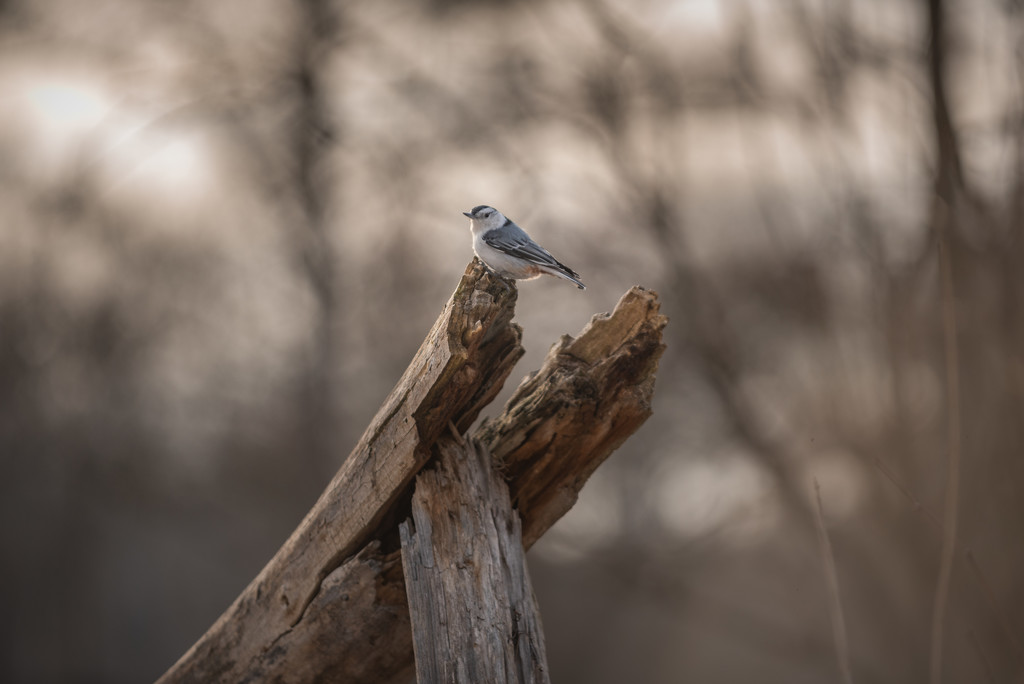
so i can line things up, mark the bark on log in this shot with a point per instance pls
(458, 369)
(474, 615)
(352, 622)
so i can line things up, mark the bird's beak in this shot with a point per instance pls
(466, 213)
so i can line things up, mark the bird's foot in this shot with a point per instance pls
(509, 283)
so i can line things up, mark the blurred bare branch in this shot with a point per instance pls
(835, 604)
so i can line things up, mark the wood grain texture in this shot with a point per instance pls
(473, 612)
(563, 421)
(329, 646)
(458, 369)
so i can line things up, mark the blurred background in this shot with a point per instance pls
(226, 227)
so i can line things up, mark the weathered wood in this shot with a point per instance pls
(458, 369)
(328, 645)
(474, 615)
(592, 393)
(354, 624)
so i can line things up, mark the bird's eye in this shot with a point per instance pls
(485, 214)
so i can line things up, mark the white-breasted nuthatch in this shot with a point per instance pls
(508, 250)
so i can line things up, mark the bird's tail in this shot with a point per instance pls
(563, 271)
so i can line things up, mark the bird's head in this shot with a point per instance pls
(484, 218)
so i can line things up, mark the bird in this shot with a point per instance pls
(507, 250)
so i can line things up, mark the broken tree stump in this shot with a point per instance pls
(474, 615)
(331, 605)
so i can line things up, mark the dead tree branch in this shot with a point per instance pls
(592, 393)
(459, 368)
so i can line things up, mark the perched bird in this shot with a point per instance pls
(508, 250)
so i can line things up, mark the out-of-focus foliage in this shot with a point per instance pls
(225, 227)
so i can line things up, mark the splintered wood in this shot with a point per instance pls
(331, 606)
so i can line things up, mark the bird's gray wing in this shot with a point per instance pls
(512, 240)
(524, 249)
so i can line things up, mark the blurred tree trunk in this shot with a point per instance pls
(314, 130)
(950, 192)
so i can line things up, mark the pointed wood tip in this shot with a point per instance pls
(637, 308)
